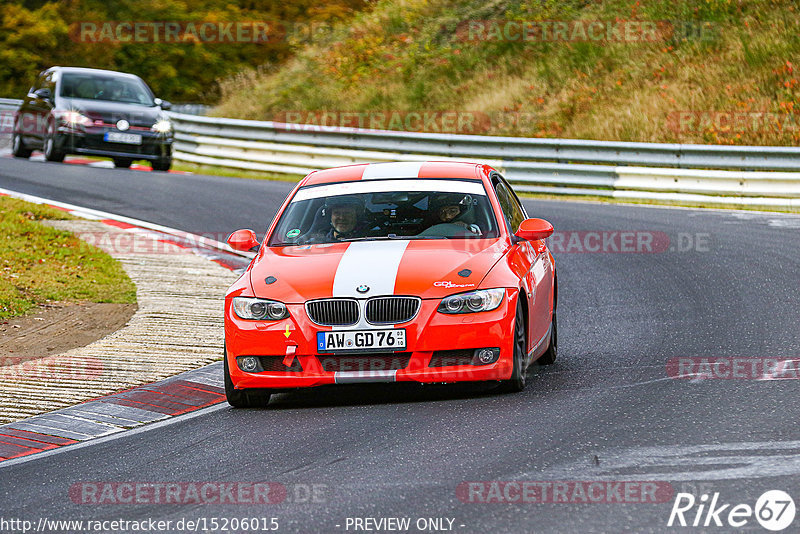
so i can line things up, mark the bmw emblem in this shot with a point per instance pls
(363, 288)
(123, 125)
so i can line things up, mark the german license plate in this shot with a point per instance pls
(335, 341)
(118, 137)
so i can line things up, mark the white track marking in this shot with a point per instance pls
(127, 433)
(92, 214)
(724, 461)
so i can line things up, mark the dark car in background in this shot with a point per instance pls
(72, 110)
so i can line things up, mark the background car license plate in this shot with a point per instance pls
(117, 137)
(394, 339)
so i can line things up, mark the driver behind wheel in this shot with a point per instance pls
(346, 217)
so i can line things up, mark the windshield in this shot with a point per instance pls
(390, 209)
(103, 87)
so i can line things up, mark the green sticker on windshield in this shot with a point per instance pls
(293, 233)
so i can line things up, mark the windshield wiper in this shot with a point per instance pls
(376, 238)
(393, 237)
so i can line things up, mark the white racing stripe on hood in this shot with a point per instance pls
(399, 169)
(370, 263)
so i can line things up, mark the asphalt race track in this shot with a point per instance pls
(725, 285)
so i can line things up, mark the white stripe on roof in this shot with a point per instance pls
(397, 169)
(351, 188)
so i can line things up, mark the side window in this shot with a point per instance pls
(515, 200)
(511, 207)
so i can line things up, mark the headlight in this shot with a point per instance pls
(259, 309)
(162, 126)
(474, 301)
(72, 118)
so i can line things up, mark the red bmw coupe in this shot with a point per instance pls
(389, 272)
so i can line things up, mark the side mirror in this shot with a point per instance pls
(534, 229)
(163, 104)
(43, 93)
(243, 240)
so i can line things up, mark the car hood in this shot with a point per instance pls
(111, 112)
(424, 268)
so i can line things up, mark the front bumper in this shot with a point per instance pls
(427, 335)
(91, 141)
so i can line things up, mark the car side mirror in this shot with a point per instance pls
(163, 104)
(43, 93)
(243, 240)
(534, 229)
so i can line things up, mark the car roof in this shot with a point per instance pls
(399, 170)
(86, 70)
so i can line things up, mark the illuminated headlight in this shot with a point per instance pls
(162, 126)
(474, 301)
(73, 118)
(259, 309)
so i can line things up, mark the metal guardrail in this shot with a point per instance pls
(555, 166)
(506, 148)
(655, 171)
(190, 109)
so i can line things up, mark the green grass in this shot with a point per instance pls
(214, 170)
(40, 264)
(408, 56)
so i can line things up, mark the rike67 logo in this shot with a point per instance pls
(774, 510)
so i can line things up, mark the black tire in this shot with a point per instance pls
(162, 164)
(122, 163)
(549, 356)
(18, 147)
(50, 148)
(519, 372)
(239, 398)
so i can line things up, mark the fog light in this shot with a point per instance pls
(248, 364)
(485, 356)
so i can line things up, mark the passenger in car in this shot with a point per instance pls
(447, 209)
